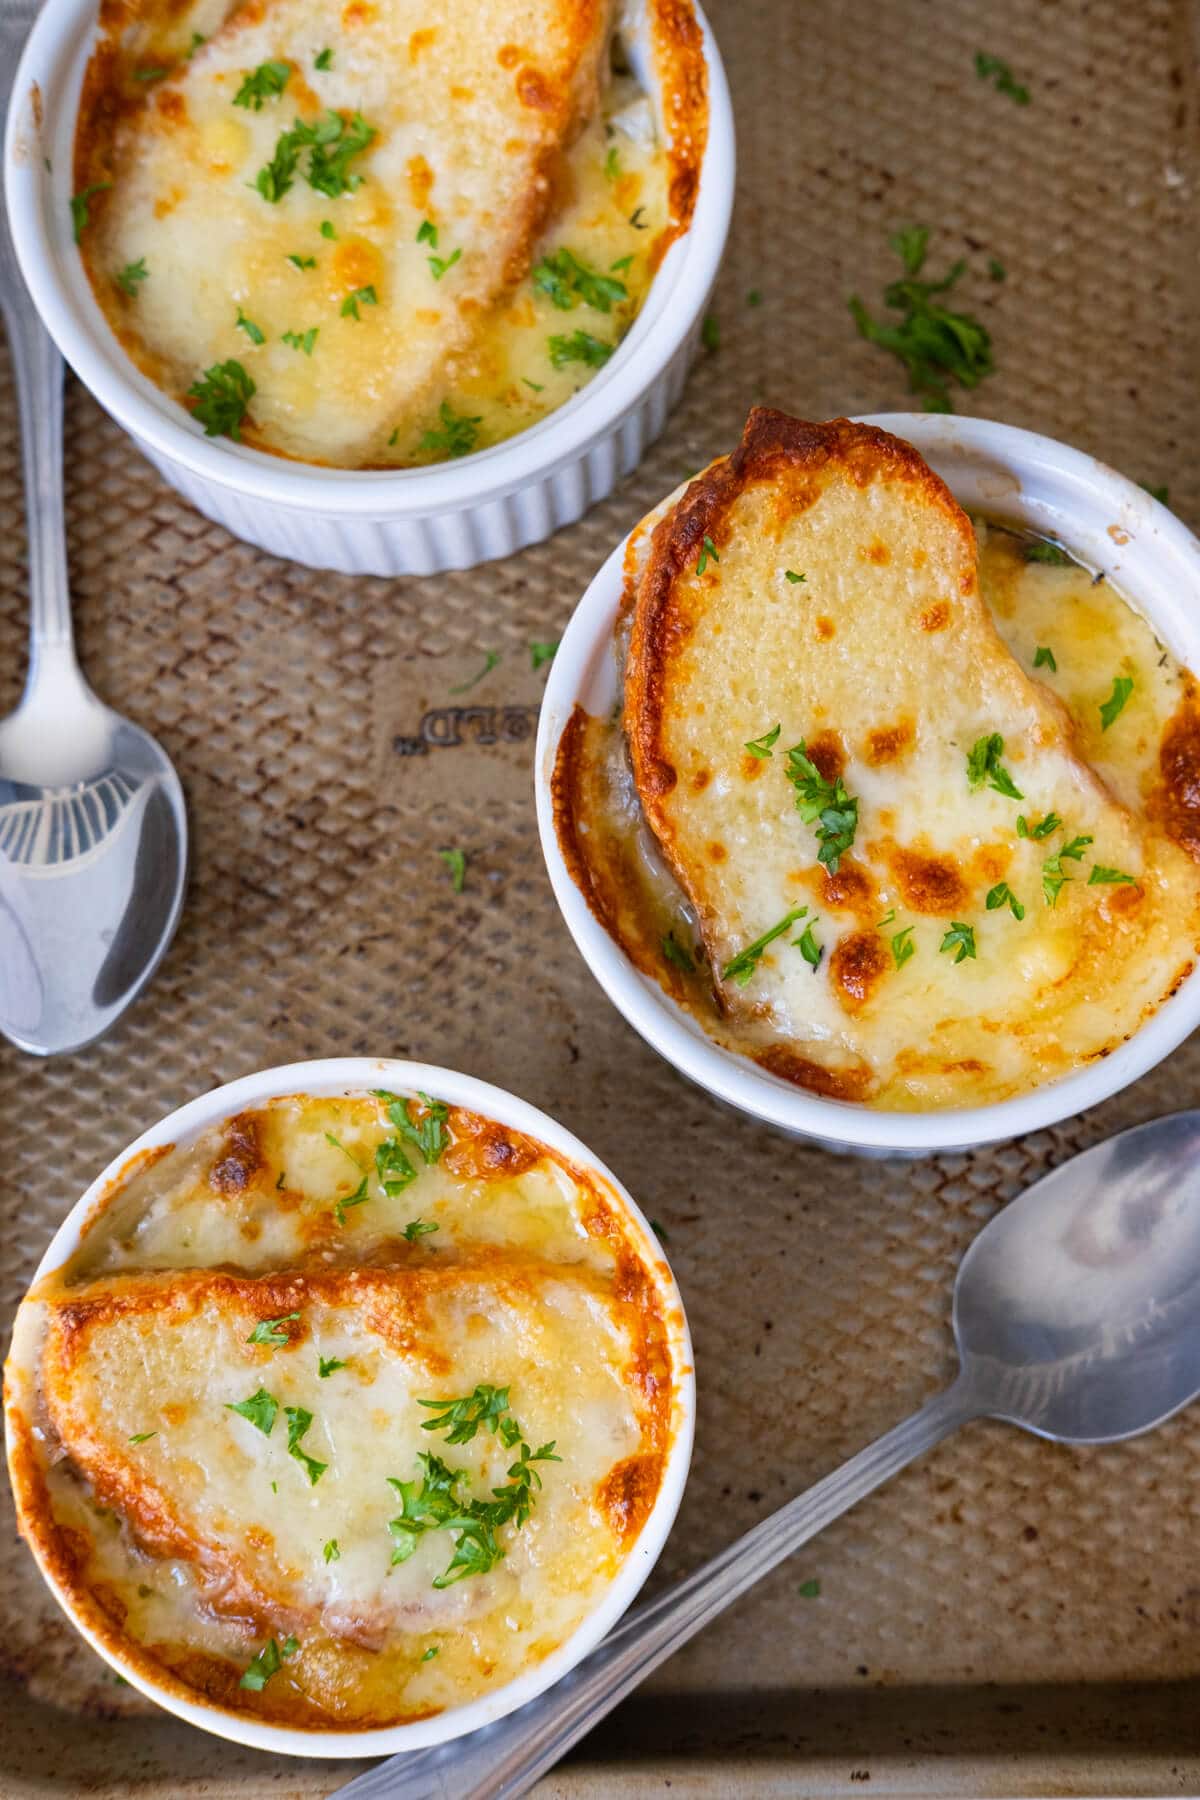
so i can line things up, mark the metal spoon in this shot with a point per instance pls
(93, 831)
(1077, 1317)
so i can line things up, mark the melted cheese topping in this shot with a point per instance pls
(398, 322)
(1041, 994)
(190, 1535)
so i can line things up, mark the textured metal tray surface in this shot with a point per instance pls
(1008, 1617)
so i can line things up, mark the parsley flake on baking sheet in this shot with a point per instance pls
(1112, 708)
(456, 862)
(762, 746)
(541, 653)
(961, 939)
(222, 396)
(580, 347)
(996, 70)
(259, 1410)
(741, 967)
(270, 1331)
(935, 344)
(266, 82)
(825, 803)
(130, 278)
(464, 687)
(710, 332)
(984, 765)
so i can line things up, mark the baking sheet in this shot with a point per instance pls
(1008, 1616)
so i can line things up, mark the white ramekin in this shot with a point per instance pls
(355, 1075)
(389, 522)
(1111, 525)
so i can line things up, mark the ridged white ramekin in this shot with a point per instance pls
(1010, 475)
(385, 522)
(357, 1075)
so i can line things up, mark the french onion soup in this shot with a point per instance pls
(388, 232)
(904, 807)
(346, 1412)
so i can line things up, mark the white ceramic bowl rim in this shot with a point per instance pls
(355, 1075)
(1112, 525)
(55, 57)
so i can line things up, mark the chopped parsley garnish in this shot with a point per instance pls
(323, 59)
(328, 1365)
(464, 687)
(1054, 876)
(1043, 658)
(934, 344)
(1042, 829)
(266, 82)
(254, 332)
(626, 262)
(267, 1663)
(1114, 706)
(80, 216)
(429, 1133)
(427, 233)
(710, 332)
(327, 229)
(143, 1437)
(302, 262)
(198, 38)
(359, 1197)
(996, 70)
(1102, 877)
(130, 278)
(791, 575)
(612, 163)
(539, 387)
(418, 1228)
(437, 1504)
(741, 967)
(337, 1144)
(331, 144)
(298, 1422)
(270, 1331)
(221, 397)
(430, 1653)
(363, 296)
(260, 1410)
(567, 281)
(1002, 895)
(808, 946)
(708, 553)
(903, 946)
(677, 953)
(581, 347)
(541, 653)
(439, 264)
(1043, 551)
(302, 340)
(983, 764)
(456, 862)
(150, 74)
(331, 1551)
(457, 435)
(825, 802)
(961, 939)
(761, 746)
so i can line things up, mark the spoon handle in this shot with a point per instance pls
(38, 369)
(505, 1759)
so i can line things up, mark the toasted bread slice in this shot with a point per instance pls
(817, 592)
(140, 1377)
(470, 107)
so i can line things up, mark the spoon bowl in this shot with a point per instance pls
(93, 828)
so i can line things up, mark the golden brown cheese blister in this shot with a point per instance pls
(823, 580)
